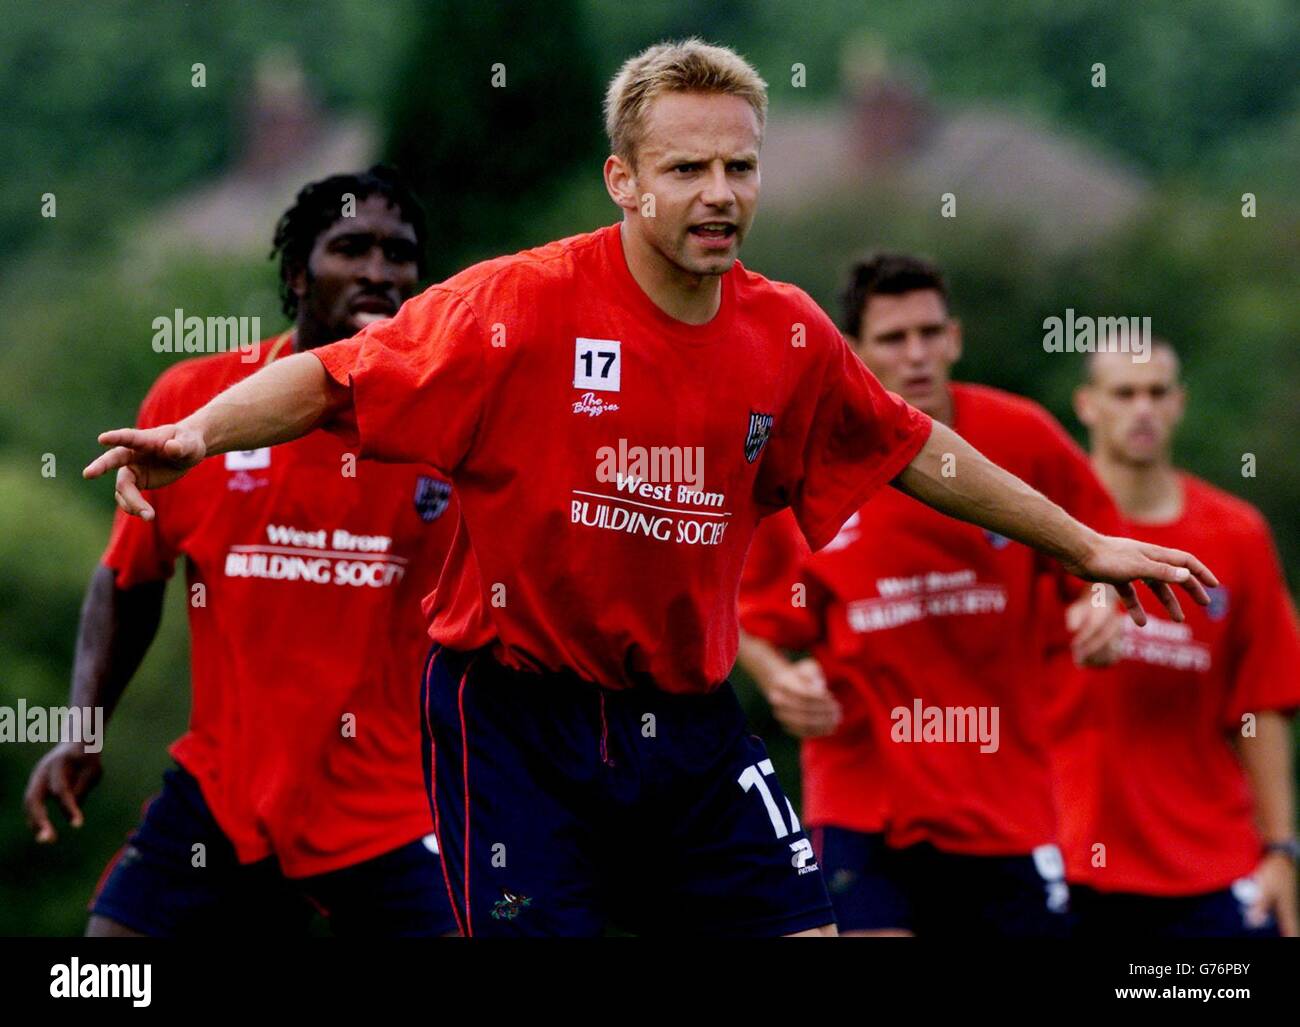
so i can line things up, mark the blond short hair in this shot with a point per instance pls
(687, 66)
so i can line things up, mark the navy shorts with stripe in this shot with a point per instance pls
(153, 887)
(564, 809)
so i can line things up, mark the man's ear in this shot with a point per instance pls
(1180, 396)
(620, 183)
(298, 281)
(1083, 408)
(957, 339)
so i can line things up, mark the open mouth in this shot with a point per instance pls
(370, 309)
(717, 233)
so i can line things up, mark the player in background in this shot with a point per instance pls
(907, 610)
(617, 410)
(298, 781)
(1178, 758)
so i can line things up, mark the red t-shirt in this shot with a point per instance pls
(306, 636)
(1150, 761)
(611, 461)
(909, 606)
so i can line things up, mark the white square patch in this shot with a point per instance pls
(597, 365)
(248, 459)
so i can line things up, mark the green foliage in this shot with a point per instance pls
(1214, 283)
(50, 544)
(75, 366)
(1183, 77)
(494, 109)
(99, 109)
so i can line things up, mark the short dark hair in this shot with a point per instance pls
(886, 274)
(320, 204)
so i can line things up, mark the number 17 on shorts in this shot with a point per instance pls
(752, 779)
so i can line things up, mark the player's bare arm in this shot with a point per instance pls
(283, 401)
(795, 689)
(117, 625)
(952, 476)
(1267, 760)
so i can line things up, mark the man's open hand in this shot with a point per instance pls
(801, 700)
(146, 458)
(1123, 561)
(1096, 631)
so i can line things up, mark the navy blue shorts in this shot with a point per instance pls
(564, 808)
(1218, 914)
(936, 894)
(862, 880)
(152, 885)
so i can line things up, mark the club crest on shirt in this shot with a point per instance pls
(1218, 608)
(431, 497)
(760, 430)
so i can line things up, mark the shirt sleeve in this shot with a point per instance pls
(417, 383)
(140, 551)
(772, 605)
(1266, 669)
(845, 438)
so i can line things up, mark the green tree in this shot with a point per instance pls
(496, 106)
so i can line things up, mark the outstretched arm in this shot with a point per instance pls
(952, 476)
(281, 402)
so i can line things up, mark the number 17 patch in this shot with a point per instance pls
(596, 365)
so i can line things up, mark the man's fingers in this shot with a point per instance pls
(120, 456)
(808, 727)
(1166, 595)
(805, 717)
(1174, 560)
(38, 818)
(1092, 635)
(1129, 597)
(1167, 572)
(62, 791)
(810, 677)
(127, 495)
(128, 437)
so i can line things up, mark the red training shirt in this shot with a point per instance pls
(1149, 755)
(908, 605)
(307, 647)
(611, 461)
